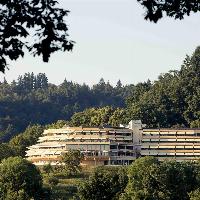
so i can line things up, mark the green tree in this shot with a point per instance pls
(150, 179)
(43, 17)
(99, 117)
(104, 183)
(33, 100)
(142, 182)
(47, 169)
(173, 99)
(72, 160)
(178, 179)
(119, 116)
(137, 91)
(52, 181)
(19, 180)
(29, 137)
(58, 124)
(6, 151)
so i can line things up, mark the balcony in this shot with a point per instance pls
(96, 158)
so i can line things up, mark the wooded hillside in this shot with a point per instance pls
(172, 100)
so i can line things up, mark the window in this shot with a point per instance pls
(113, 146)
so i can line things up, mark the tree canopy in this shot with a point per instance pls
(168, 180)
(156, 9)
(72, 160)
(31, 99)
(105, 183)
(41, 20)
(19, 143)
(6, 151)
(172, 100)
(19, 180)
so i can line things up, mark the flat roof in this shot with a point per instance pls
(90, 129)
(171, 129)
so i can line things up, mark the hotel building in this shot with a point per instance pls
(100, 146)
(116, 146)
(178, 144)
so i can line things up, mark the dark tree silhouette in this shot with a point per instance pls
(171, 8)
(39, 19)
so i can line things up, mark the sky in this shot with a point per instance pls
(113, 41)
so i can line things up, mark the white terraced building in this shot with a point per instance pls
(116, 146)
(100, 146)
(177, 144)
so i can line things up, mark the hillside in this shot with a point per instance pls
(33, 100)
(172, 100)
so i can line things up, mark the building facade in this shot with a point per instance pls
(116, 146)
(178, 144)
(100, 146)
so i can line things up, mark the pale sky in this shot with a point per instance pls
(114, 41)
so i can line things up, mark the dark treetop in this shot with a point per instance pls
(40, 17)
(155, 9)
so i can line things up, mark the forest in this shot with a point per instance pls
(170, 101)
(31, 99)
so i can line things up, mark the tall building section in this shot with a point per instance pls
(100, 146)
(178, 144)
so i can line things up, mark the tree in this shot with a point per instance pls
(155, 9)
(6, 151)
(173, 100)
(47, 169)
(19, 180)
(142, 182)
(168, 180)
(178, 179)
(52, 181)
(118, 117)
(105, 183)
(72, 160)
(119, 84)
(29, 137)
(99, 117)
(32, 100)
(58, 124)
(19, 17)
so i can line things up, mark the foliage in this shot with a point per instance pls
(142, 179)
(43, 18)
(72, 160)
(155, 9)
(179, 179)
(195, 195)
(52, 180)
(173, 100)
(32, 100)
(149, 179)
(6, 151)
(104, 183)
(47, 169)
(58, 124)
(99, 117)
(19, 180)
(29, 137)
